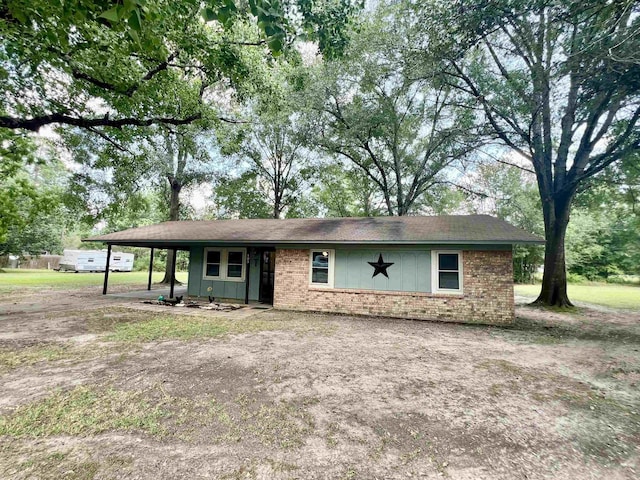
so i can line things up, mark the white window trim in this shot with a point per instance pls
(332, 261)
(224, 262)
(435, 271)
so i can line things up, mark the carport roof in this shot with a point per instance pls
(444, 229)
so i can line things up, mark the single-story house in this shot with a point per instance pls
(451, 268)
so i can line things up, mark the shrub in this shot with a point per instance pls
(624, 279)
(575, 278)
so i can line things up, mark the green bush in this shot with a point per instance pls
(575, 278)
(624, 279)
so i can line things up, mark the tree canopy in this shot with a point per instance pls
(555, 81)
(96, 63)
(399, 125)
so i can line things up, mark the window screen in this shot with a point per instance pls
(234, 264)
(320, 267)
(448, 271)
(213, 263)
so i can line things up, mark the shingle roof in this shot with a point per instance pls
(445, 229)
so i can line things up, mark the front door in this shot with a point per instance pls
(267, 275)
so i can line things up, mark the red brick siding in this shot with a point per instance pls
(487, 298)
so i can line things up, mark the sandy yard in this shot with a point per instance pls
(95, 387)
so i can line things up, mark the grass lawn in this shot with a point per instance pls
(23, 278)
(615, 296)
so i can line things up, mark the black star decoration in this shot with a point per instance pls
(380, 267)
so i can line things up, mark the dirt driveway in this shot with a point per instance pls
(107, 388)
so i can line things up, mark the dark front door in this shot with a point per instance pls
(267, 275)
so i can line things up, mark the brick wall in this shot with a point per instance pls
(487, 298)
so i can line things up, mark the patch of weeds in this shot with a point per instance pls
(409, 457)
(167, 328)
(624, 372)
(57, 465)
(540, 385)
(547, 339)
(241, 473)
(330, 436)
(84, 411)
(177, 327)
(604, 428)
(281, 467)
(117, 464)
(350, 474)
(281, 424)
(284, 424)
(11, 359)
(502, 366)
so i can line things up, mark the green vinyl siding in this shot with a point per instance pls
(199, 286)
(410, 272)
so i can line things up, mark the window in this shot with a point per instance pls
(321, 268)
(212, 266)
(224, 264)
(235, 262)
(446, 270)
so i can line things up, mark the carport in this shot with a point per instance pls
(153, 246)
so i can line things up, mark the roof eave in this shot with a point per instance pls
(184, 242)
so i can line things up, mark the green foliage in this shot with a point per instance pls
(511, 194)
(130, 58)
(601, 244)
(240, 197)
(269, 154)
(555, 81)
(134, 178)
(345, 192)
(398, 125)
(603, 238)
(33, 215)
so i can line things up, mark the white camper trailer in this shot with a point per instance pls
(121, 262)
(95, 261)
(83, 261)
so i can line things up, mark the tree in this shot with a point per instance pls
(97, 63)
(184, 161)
(119, 173)
(240, 197)
(603, 237)
(511, 194)
(372, 109)
(271, 153)
(557, 81)
(341, 191)
(33, 215)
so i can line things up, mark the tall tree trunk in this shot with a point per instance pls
(174, 211)
(554, 280)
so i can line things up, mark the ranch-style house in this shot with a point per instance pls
(451, 268)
